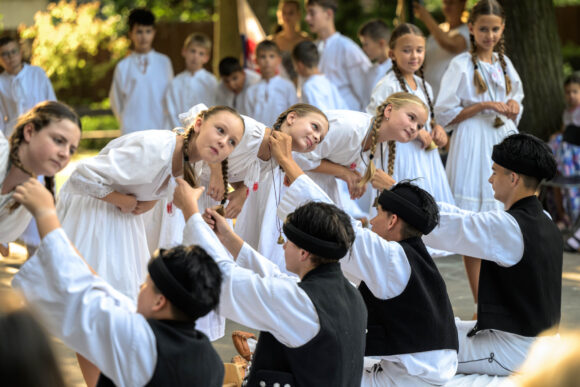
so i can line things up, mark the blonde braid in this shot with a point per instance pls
(220, 210)
(480, 85)
(280, 120)
(371, 168)
(392, 145)
(508, 81)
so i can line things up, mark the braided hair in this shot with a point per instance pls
(301, 110)
(488, 7)
(189, 136)
(40, 116)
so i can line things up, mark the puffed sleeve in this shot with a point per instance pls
(380, 93)
(517, 93)
(448, 102)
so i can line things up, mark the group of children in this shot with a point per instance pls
(248, 141)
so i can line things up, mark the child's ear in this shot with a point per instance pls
(27, 131)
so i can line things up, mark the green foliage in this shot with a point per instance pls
(75, 45)
(92, 123)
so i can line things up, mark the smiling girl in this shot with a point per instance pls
(42, 143)
(481, 101)
(102, 203)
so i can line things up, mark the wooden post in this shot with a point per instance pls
(227, 41)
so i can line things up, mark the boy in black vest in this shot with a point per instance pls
(411, 330)
(312, 326)
(155, 346)
(520, 281)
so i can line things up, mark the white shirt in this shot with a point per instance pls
(21, 92)
(384, 267)
(458, 90)
(345, 64)
(571, 116)
(267, 99)
(491, 235)
(12, 224)
(139, 86)
(187, 90)
(255, 293)
(86, 313)
(318, 91)
(226, 97)
(374, 75)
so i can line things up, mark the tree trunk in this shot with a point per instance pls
(533, 45)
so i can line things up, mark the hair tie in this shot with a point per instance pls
(371, 156)
(188, 118)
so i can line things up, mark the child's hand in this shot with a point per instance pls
(280, 145)
(381, 180)
(236, 201)
(420, 12)
(143, 206)
(185, 197)
(439, 136)
(513, 109)
(126, 203)
(424, 137)
(35, 197)
(216, 188)
(217, 223)
(499, 107)
(352, 179)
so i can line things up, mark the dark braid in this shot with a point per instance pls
(188, 171)
(220, 210)
(431, 110)
(500, 52)
(480, 85)
(399, 76)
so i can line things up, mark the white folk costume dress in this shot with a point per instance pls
(187, 90)
(21, 92)
(97, 321)
(267, 99)
(345, 64)
(226, 97)
(318, 91)
(114, 243)
(139, 86)
(12, 224)
(437, 58)
(386, 270)
(374, 75)
(509, 242)
(469, 162)
(411, 161)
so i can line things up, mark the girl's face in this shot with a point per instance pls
(409, 53)
(402, 124)
(453, 8)
(289, 14)
(306, 132)
(49, 150)
(487, 31)
(572, 91)
(218, 136)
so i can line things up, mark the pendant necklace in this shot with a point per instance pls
(277, 196)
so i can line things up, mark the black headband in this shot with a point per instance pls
(319, 247)
(409, 212)
(525, 166)
(170, 287)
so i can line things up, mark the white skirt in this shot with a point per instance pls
(113, 244)
(469, 161)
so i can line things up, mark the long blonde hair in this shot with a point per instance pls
(397, 100)
(190, 135)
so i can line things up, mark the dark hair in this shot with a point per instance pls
(4, 40)
(267, 45)
(26, 356)
(307, 53)
(141, 16)
(229, 65)
(376, 30)
(570, 79)
(40, 116)
(529, 147)
(404, 29)
(427, 204)
(488, 7)
(326, 4)
(323, 221)
(196, 272)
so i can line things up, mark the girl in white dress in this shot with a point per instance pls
(42, 143)
(351, 144)
(417, 159)
(481, 101)
(102, 203)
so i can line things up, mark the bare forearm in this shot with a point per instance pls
(329, 168)
(292, 170)
(469, 112)
(46, 221)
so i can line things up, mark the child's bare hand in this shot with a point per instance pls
(424, 137)
(185, 197)
(439, 136)
(381, 180)
(126, 203)
(216, 187)
(143, 206)
(280, 145)
(34, 196)
(236, 202)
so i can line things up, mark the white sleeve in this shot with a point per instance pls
(86, 313)
(250, 259)
(172, 104)
(132, 159)
(492, 235)
(116, 95)
(381, 264)
(517, 93)
(271, 303)
(356, 65)
(448, 102)
(382, 90)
